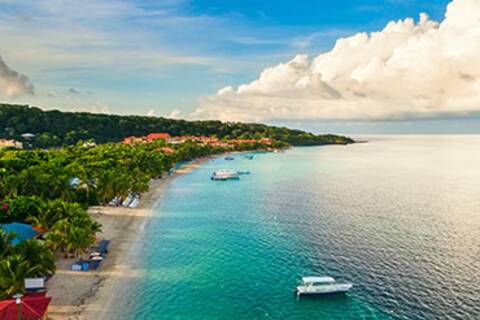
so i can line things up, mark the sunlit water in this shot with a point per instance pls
(398, 216)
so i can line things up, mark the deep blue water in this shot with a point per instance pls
(398, 216)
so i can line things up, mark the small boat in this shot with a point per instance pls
(248, 157)
(229, 158)
(223, 175)
(242, 172)
(321, 285)
(126, 202)
(135, 202)
(115, 202)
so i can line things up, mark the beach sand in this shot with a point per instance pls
(87, 295)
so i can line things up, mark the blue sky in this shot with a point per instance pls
(152, 57)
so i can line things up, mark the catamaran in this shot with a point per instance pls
(321, 285)
(224, 174)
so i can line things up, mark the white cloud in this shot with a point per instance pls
(175, 114)
(151, 113)
(406, 70)
(12, 83)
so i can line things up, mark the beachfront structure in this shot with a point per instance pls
(167, 150)
(133, 139)
(28, 136)
(149, 138)
(204, 140)
(4, 143)
(157, 136)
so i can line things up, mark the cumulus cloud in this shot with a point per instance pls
(175, 114)
(12, 83)
(408, 69)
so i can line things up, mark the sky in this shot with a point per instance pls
(337, 66)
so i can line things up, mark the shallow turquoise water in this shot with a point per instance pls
(399, 217)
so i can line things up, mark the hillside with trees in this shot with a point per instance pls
(56, 128)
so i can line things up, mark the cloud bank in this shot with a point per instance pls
(12, 83)
(409, 69)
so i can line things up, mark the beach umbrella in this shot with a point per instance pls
(28, 307)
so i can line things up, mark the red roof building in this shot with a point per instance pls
(132, 139)
(158, 136)
(167, 150)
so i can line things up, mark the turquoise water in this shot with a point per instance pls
(399, 217)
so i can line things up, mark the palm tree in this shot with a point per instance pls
(13, 271)
(6, 246)
(78, 240)
(37, 255)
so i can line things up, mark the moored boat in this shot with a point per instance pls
(223, 175)
(321, 285)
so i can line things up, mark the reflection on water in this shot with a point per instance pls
(399, 217)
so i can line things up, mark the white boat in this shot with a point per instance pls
(126, 202)
(135, 202)
(321, 285)
(223, 175)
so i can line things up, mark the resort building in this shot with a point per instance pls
(10, 144)
(167, 150)
(157, 136)
(205, 140)
(28, 136)
(133, 139)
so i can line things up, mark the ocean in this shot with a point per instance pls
(399, 217)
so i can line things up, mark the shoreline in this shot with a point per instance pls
(87, 295)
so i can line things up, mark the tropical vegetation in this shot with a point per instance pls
(51, 190)
(55, 128)
(75, 161)
(28, 259)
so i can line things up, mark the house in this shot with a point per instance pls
(132, 140)
(240, 141)
(28, 136)
(157, 136)
(10, 144)
(208, 140)
(167, 150)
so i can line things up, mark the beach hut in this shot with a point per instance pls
(28, 307)
(22, 231)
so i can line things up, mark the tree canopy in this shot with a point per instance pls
(56, 128)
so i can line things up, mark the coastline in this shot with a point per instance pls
(86, 295)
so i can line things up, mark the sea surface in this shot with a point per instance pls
(399, 217)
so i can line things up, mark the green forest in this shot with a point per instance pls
(56, 128)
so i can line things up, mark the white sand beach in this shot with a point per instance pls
(86, 295)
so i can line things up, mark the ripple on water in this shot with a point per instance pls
(388, 215)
